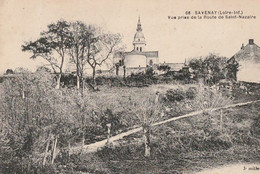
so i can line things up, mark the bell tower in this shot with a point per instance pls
(139, 39)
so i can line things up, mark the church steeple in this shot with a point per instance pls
(139, 40)
(139, 25)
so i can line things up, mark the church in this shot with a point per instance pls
(137, 59)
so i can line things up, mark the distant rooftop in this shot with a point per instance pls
(250, 52)
(174, 66)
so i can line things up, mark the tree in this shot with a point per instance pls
(212, 68)
(232, 69)
(215, 67)
(146, 111)
(196, 65)
(101, 47)
(51, 46)
(82, 39)
(165, 68)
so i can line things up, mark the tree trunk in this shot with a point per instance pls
(78, 82)
(124, 72)
(83, 139)
(58, 82)
(82, 86)
(69, 150)
(146, 136)
(46, 151)
(23, 95)
(54, 150)
(94, 75)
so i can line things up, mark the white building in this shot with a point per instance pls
(248, 58)
(138, 58)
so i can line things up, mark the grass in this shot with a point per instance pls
(190, 153)
(182, 146)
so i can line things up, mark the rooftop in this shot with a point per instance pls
(250, 52)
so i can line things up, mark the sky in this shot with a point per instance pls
(176, 40)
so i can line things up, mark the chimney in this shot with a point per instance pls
(242, 47)
(251, 41)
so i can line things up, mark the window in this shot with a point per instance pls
(137, 48)
(140, 49)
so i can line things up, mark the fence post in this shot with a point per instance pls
(221, 119)
(108, 132)
(146, 137)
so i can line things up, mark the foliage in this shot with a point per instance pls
(83, 44)
(232, 69)
(9, 71)
(149, 72)
(32, 110)
(175, 95)
(212, 68)
(164, 68)
(51, 46)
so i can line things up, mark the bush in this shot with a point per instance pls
(174, 95)
(191, 93)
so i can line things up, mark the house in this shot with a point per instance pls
(248, 59)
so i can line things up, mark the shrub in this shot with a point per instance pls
(191, 93)
(173, 95)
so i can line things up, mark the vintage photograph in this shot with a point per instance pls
(129, 87)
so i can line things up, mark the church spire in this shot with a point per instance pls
(139, 40)
(139, 25)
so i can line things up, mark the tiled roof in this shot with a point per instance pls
(250, 52)
(145, 53)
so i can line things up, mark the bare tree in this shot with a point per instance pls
(146, 111)
(101, 49)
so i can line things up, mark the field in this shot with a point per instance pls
(74, 119)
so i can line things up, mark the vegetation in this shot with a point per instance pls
(75, 41)
(40, 123)
(213, 68)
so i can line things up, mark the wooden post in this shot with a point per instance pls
(146, 137)
(69, 150)
(78, 82)
(54, 150)
(83, 139)
(108, 132)
(124, 71)
(46, 150)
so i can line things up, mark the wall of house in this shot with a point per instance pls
(132, 61)
(248, 71)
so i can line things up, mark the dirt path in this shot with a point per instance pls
(95, 146)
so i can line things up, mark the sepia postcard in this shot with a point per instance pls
(130, 86)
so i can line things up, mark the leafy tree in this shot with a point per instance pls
(51, 46)
(212, 68)
(82, 40)
(232, 69)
